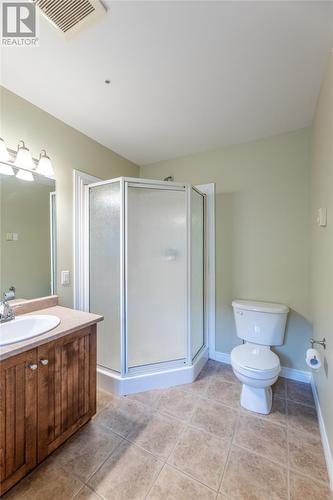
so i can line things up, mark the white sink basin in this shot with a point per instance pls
(25, 327)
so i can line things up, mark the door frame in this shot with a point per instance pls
(80, 181)
(210, 304)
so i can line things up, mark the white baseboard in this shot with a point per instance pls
(323, 434)
(222, 357)
(294, 374)
(291, 373)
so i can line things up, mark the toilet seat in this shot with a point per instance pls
(253, 361)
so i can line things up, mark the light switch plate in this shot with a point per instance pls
(65, 278)
(322, 217)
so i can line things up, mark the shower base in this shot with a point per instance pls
(113, 382)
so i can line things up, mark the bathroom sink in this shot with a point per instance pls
(26, 327)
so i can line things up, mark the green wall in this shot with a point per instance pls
(262, 229)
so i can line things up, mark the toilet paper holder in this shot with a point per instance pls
(319, 342)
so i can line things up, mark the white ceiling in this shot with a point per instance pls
(185, 76)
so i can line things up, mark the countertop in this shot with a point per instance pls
(70, 320)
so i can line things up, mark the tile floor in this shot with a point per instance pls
(187, 443)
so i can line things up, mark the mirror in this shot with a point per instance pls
(28, 236)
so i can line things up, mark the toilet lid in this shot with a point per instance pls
(255, 358)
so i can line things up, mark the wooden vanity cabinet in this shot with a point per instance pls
(18, 417)
(66, 388)
(46, 395)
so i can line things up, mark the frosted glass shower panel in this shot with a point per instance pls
(156, 275)
(197, 272)
(104, 228)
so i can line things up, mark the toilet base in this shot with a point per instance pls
(257, 399)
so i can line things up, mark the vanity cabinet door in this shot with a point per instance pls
(18, 417)
(66, 387)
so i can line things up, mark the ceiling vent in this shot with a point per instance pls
(70, 17)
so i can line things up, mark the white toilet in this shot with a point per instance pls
(261, 325)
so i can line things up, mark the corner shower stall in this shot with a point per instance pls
(145, 254)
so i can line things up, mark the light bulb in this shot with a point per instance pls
(23, 157)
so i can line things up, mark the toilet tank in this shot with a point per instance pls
(261, 323)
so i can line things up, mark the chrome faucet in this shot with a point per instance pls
(6, 311)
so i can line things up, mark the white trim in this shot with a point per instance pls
(294, 374)
(323, 433)
(80, 179)
(222, 357)
(142, 181)
(115, 383)
(123, 252)
(290, 373)
(209, 190)
(188, 281)
(53, 242)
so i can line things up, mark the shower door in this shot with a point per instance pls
(156, 274)
(105, 277)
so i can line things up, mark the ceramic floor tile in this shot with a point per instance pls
(173, 485)
(227, 393)
(177, 403)
(103, 398)
(199, 386)
(148, 398)
(302, 417)
(280, 388)
(122, 416)
(159, 435)
(215, 418)
(278, 414)
(87, 450)
(50, 480)
(299, 392)
(86, 494)
(262, 437)
(306, 454)
(201, 455)
(128, 474)
(212, 365)
(249, 476)
(226, 373)
(304, 488)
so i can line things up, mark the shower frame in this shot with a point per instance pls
(165, 373)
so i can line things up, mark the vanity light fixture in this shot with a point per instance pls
(44, 166)
(21, 163)
(4, 157)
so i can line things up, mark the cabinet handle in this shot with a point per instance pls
(44, 362)
(32, 366)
